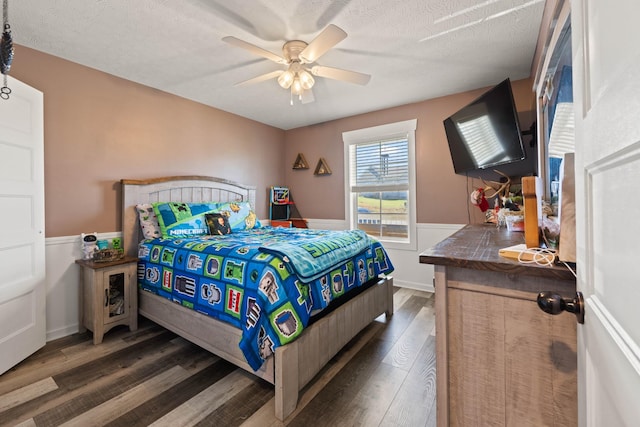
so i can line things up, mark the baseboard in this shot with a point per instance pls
(62, 332)
(416, 286)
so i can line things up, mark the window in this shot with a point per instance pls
(380, 182)
(555, 109)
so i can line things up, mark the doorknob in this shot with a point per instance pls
(552, 303)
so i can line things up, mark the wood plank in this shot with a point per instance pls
(442, 346)
(53, 347)
(26, 393)
(369, 405)
(432, 416)
(415, 401)
(287, 383)
(237, 409)
(113, 362)
(476, 246)
(156, 407)
(403, 318)
(27, 423)
(130, 399)
(475, 374)
(401, 295)
(266, 415)
(531, 228)
(200, 406)
(514, 285)
(355, 374)
(190, 324)
(338, 393)
(67, 358)
(537, 363)
(406, 349)
(77, 394)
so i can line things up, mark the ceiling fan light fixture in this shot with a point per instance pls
(306, 80)
(296, 87)
(286, 79)
(296, 55)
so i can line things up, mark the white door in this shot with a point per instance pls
(22, 263)
(606, 61)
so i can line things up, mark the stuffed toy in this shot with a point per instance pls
(478, 199)
(89, 245)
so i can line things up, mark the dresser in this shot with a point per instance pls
(500, 360)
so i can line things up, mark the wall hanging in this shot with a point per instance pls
(301, 162)
(322, 168)
(6, 50)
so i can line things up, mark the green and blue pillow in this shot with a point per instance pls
(240, 215)
(183, 219)
(188, 219)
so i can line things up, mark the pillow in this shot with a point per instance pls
(183, 219)
(148, 221)
(240, 215)
(218, 224)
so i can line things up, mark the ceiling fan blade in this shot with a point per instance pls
(261, 78)
(328, 38)
(340, 74)
(307, 96)
(254, 49)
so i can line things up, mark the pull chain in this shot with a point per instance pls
(6, 50)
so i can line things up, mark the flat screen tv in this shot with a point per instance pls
(485, 135)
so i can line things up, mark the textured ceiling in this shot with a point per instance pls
(413, 49)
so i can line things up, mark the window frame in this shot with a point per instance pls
(374, 134)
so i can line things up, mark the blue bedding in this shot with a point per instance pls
(265, 281)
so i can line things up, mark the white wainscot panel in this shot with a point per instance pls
(63, 275)
(63, 284)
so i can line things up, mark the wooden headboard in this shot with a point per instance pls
(174, 189)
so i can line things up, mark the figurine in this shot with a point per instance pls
(89, 245)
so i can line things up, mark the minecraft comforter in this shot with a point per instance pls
(265, 281)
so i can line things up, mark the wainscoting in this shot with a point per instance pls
(63, 275)
(63, 284)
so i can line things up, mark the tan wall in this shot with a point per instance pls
(442, 196)
(99, 129)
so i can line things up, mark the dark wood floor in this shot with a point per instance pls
(383, 377)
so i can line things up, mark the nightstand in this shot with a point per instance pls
(109, 295)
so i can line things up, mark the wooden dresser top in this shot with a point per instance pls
(476, 247)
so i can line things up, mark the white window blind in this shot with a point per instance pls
(380, 166)
(380, 182)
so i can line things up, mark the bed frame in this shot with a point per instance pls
(293, 365)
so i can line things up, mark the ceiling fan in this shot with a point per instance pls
(299, 56)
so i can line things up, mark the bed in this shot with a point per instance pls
(293, 364)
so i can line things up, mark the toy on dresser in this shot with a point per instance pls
(89, 245)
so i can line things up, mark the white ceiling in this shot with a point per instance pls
(413, 49)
